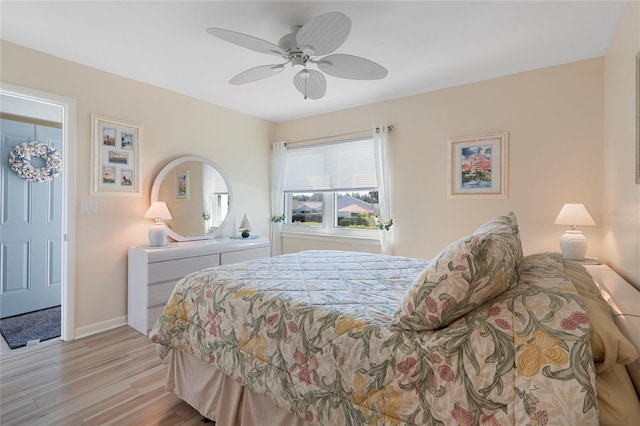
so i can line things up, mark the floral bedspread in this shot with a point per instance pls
(310, 331)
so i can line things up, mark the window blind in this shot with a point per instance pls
(343, 166)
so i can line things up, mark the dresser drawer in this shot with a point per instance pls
(159, 293)
(178, 268)
(244, 255)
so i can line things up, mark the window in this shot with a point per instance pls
(357, 209)
(306, 208)
(332, 188)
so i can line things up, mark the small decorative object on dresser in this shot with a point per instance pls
(154, 272)
(245, 227)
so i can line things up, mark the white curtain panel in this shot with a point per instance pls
(278, 159)
(381, 148)
(207, 193)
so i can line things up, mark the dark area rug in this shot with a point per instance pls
(39, 325)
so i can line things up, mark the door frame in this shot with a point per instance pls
(69, 111)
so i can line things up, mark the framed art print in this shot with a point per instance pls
(116, 162)
(478, 166)
(183, 185)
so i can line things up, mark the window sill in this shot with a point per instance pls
(330, 237)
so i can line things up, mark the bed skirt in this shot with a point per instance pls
(219, 397)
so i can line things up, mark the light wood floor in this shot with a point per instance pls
(111, 378)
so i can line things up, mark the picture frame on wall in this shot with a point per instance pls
(477, 166)
(116, 157)
(183, 185)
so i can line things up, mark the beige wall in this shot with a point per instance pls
(554, 117)
(173, 125)
(621, 206)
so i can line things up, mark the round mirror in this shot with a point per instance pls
(198, 196)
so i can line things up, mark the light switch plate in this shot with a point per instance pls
(88, 207)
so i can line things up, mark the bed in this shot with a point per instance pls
(480, 335)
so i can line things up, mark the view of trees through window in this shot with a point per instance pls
(357, 209)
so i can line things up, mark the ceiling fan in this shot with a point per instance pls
(306, 44)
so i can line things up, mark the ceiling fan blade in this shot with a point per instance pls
(323, 34)
(351, 67)
(257, 73)
(310, 83)
(247, 41)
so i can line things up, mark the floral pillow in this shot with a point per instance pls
(504, 225)
(464, 275)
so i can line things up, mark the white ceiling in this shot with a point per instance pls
(425, 45)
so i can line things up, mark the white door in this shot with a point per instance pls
(31, 245)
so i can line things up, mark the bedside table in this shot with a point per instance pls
(624, 300)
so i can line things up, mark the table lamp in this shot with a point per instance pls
(573, 243)
(158, 231)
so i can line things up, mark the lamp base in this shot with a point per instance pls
(573, 245)
(158, 235)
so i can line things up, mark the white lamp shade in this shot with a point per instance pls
(573, 243)
(574, 214)
(158, 210)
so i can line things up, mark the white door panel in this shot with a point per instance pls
(30, 227)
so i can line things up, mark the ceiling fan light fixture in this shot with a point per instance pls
(298, 62)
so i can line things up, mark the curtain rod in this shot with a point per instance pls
(389, 128)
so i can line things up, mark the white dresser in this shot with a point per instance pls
(154, 271)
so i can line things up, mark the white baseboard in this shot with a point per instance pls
(99, 327)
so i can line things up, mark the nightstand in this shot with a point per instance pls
(624, 300)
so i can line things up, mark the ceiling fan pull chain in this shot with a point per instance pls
(305, 83)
